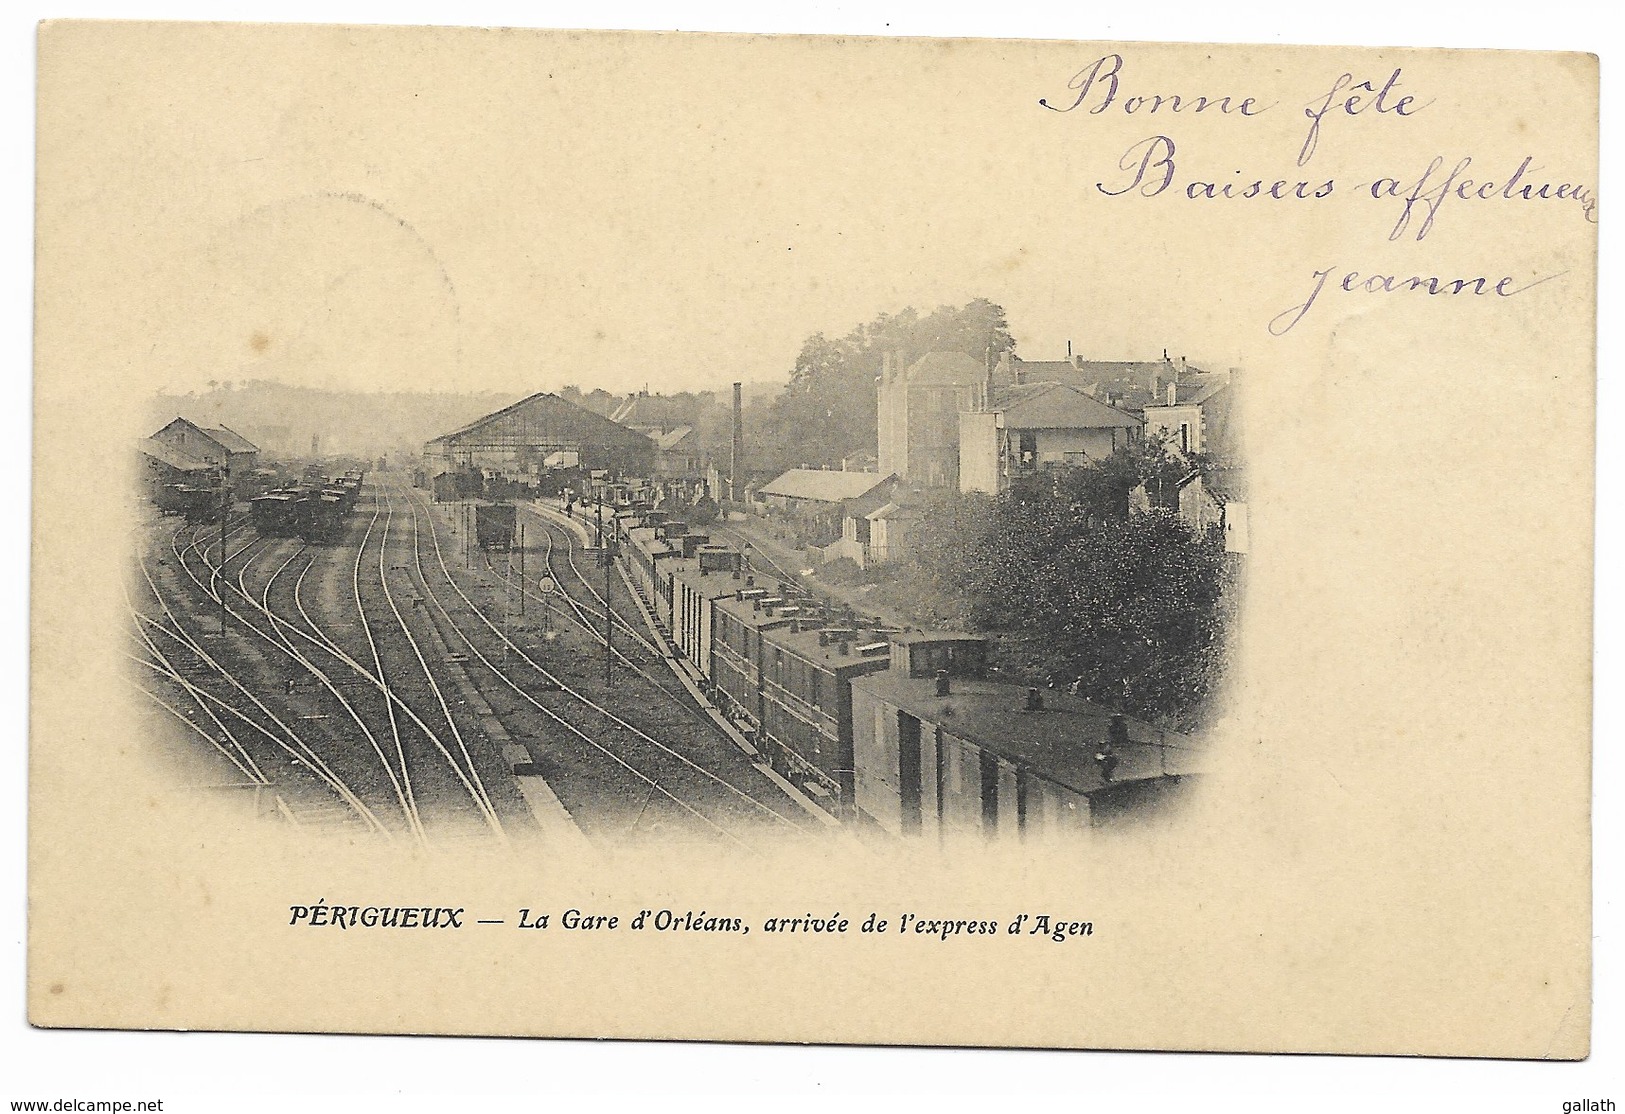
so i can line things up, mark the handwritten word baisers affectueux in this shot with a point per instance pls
(323, 915)
(1152, 169)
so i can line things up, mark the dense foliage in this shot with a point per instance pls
(827, 412)
(1130, 607)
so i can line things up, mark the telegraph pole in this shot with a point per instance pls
(220, 566)
(521, 572)
(607, 556)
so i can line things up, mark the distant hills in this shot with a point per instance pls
(282, 419)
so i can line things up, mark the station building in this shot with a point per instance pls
(518, 441)
(220, 447)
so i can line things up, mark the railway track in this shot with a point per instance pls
(696, 783)
(181, 647)
(374, 686)
(324, 684)
(402, 712)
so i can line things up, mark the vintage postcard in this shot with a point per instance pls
(790, 539)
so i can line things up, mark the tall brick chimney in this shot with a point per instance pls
(736, 457)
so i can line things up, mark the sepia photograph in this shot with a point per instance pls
(813, 538)
(593, 617)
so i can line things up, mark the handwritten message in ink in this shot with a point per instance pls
(1416, 196)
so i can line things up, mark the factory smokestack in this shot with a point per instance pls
(736, 460)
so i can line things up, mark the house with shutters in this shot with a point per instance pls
(1026, 427)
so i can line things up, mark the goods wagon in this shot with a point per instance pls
(319, 515)
(494, 525)
(275, 514)
(195, 504)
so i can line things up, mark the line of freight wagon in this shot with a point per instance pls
(906, 731)
(314, 510)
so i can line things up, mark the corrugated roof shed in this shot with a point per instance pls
(232, 440)
(823, 486)
(173, 457)
(542, 419)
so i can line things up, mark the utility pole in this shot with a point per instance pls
(736, 457)
(507, 613)
(521, 573)
(225, 513)
(607, 556)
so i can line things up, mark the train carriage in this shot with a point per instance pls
(691, 589)
(275, 514)
(644, 554)
(900, 732)
(319, 515)
(495, 525)
(191, 502)
(943, 751)
(806, 679)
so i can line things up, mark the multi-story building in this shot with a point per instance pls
(949, 420)
(1026, 427)
(919, 410)
(1197, 414)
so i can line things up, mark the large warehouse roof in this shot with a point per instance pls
(542, 421)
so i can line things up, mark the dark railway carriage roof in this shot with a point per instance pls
(1057, 741)
(715, 584)
(543, 419)
(777, 630)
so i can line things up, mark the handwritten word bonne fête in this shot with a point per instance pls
(1098, 85)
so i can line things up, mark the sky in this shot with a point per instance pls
(516, 214)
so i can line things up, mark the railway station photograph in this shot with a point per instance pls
(705, 622)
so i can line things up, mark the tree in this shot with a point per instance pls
(828, 411)
(1132, 611)
(1133, 607)
(1103, 487)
